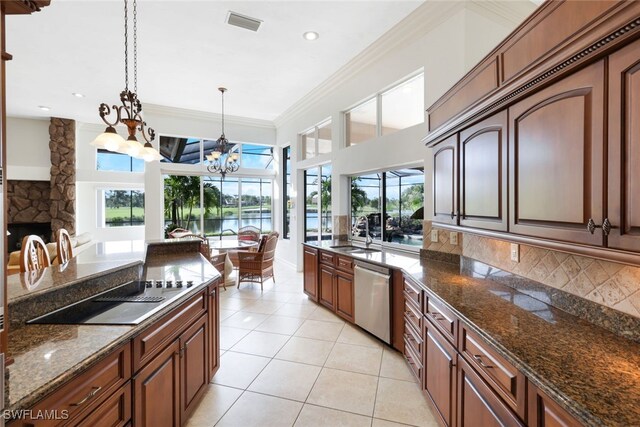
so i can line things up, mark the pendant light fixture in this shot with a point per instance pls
(130, 112)
(221, 159)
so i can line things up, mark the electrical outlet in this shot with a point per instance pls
(453, 238)
(434, 235)
(515, 252)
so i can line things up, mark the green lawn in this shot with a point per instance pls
(139, 212)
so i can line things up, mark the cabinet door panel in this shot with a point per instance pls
(327, 276)
(440, 372)
(344, 296)
(483, 171)
(193, 344)
(624, 148)
(445, 169)
(213, 336)
(311, 272)
(556, 159)
(543, 412)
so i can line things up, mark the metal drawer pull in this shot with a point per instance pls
(92, 393)
(479, 360)
(606, 226)
(437, 316)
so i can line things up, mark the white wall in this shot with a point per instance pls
(28, 156)
(445, 42)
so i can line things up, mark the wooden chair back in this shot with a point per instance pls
(64, 247)
(33, 254)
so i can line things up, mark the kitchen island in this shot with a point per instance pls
(84, 371)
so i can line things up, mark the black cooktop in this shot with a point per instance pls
(127, 304)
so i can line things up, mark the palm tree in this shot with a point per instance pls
(358, 197)
(182, 192)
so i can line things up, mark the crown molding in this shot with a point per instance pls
(420, 22)
(510, 13)
(161, 110)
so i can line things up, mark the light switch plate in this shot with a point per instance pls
(453, 238)
(515, 252)
(434, 235)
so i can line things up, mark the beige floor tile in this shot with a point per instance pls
(248, 288)
(230, 336)
(248, 293)
(316, 416)
(302, 299)
(239, 370)
(305, 350)
(286, 379)
(262, 306)
(384, 423)
(258, 410)
(244, 320)
(278, 296)
(322, 313)
(346, 391)
(261, 343)
(296, 310)
(403, 402)
(232, 303)
(354, 335)
(226, 313)
(319, 330)
(395, 366)
(355, 358)
(215, 402)
(226, 293)
(280, 325)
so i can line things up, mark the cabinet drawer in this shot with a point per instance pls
(504, 378)
(442, 318)
(413, 338)
(414, 361)
(412, 315)
(164, 331)
(344, 263)
(413, 292)
(82, 395)
(114, 412)
(327, 258)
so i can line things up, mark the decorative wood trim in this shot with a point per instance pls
(23, 7)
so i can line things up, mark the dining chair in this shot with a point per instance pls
(249, 232)
(33, 254)
(256, 267)
(64, 247)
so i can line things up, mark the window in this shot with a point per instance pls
(317, 140)
(398, 219)
(123, 208)
(317, 211)
(182, 201)
(109, 161)
(286, 191)
(180, 150)
(255, 201)
(398, 108)
(256, 156)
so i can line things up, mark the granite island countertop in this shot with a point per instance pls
(47, 356)
(593, 373)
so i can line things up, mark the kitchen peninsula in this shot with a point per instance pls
(109, 374)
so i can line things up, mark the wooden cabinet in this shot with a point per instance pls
(156, 390)
(624, 149)
(440, 372)
(478, 404)
(213, 310)
(326, 295)
(113, 412)
(556, 148)
(310, 261)
(344, 296)
(445, 181)
(543, 412)
(193, 365)
(483, 174)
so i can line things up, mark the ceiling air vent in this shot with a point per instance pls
(243, 21)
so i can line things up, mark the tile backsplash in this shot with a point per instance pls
(613, 285)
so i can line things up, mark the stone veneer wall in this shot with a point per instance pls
(611, 284)
(28, 201)
(62, 144)
(341, 227)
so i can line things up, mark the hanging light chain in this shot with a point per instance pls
(222, 90)
(135, 46)
(126, 45)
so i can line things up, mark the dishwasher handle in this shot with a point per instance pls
(372, 267)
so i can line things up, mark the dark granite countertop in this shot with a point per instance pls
(46, 356)
(593, 373)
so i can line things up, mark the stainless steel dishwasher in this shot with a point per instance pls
(372, 299)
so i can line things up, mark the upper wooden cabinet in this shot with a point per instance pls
(445, 181)
(556, 148)
(483, 174)
(624, 149)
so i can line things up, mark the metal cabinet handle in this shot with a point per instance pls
(606, 226)
(92, 393)
(437, 316)
(478, 359)
(452, 215)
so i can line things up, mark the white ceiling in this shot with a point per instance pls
(186, 51)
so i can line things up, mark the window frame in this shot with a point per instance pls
(102, 208)
(112, 153)
(315, 131)
(286, 192)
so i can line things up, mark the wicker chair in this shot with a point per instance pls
(33, 254)
(205, 248)
(256, 267)
(246, 233)
(64, 247)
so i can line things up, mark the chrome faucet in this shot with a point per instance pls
(368, 240)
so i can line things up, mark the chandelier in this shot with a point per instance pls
(221, 159)
(130, 112)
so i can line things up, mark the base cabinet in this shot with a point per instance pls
(310, 260)
(344, 296)
(113, 412)
(327, 285)
(440, 373)
(193, 366)
(543, 412)
(213, 310)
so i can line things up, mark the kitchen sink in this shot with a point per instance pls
(365, 251)
(354, 249)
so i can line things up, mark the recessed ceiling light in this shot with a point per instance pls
(44, 108)
(310, 35)
(77, 95)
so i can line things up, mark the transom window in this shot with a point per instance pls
(317, 140)
(117, 162)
